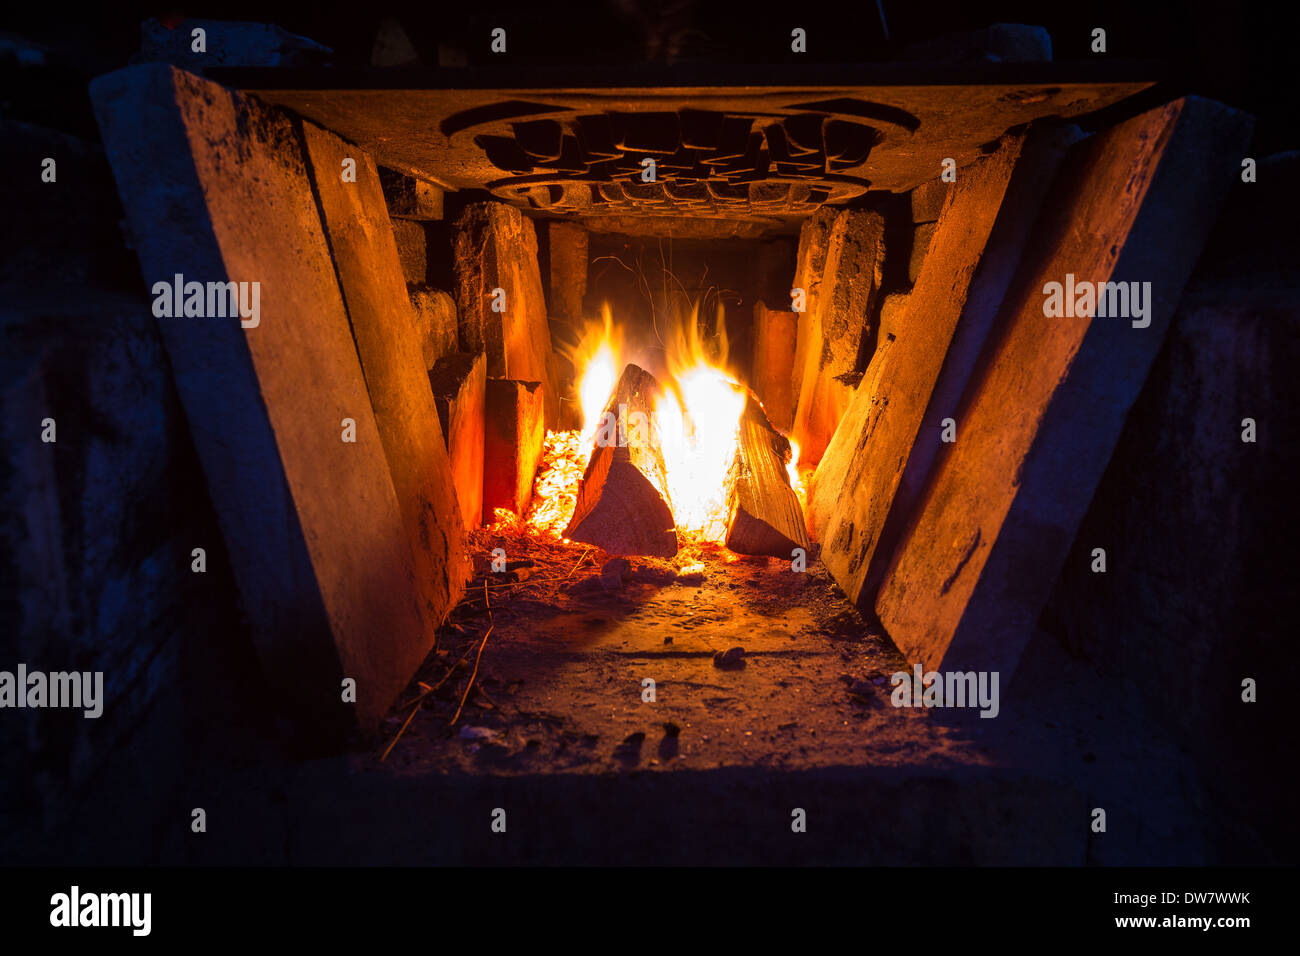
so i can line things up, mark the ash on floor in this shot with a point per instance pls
(597, 664)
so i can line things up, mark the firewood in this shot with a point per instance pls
(623, 500)
(764, 516)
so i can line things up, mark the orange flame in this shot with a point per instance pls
(696, 422)
(598, 361)
(698, 418)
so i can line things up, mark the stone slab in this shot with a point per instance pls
(775, 334)
(409, 198)
(389, 345)
(841, 257)
(216, 188)
(928, 199)
(851, 492)
(412, 249)
(512, 445)
(451, 128)
(434, 313)
(1042, 416)
(1040, 158)
(569, 260)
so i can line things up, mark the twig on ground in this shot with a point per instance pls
(415, 704)
(579, 564)
(472, 677)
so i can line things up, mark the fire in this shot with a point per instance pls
(796, 479)
(696, 424)
(555, 494)
(598, 360)
(698, 417)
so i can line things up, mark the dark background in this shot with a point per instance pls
(1242, 54)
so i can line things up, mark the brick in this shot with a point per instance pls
(512, 445)
(459, 383)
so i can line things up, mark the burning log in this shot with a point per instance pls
(623, 500)
(764, 516)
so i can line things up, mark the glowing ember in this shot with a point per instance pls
(564, 459)
(566, 453)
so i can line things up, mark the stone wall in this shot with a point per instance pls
(1197, 524)
(97, 532)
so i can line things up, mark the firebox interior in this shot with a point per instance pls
(810, 225)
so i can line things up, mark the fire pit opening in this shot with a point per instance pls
(689, 425)
(673, 446)
(840, 436)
